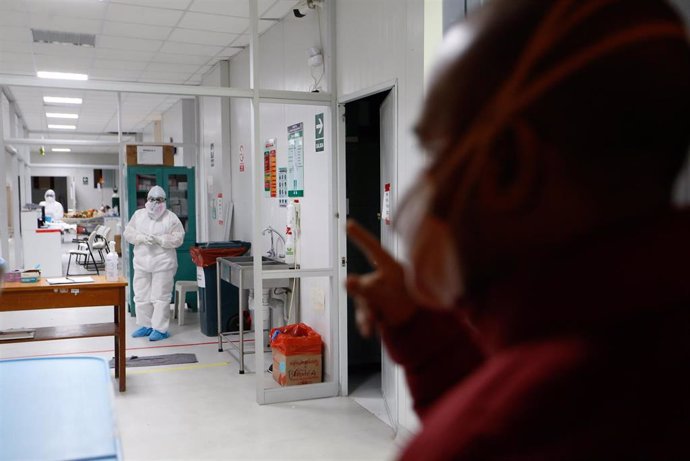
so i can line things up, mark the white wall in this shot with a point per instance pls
(179, 124)
(214, 173)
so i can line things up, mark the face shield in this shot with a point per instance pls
(155, 203)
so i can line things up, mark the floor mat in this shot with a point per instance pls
(155, 360)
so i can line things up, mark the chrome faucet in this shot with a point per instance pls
(272, 252)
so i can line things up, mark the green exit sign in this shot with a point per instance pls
(320, 130)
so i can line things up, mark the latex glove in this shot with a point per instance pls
(144, 239)
(381, 297)
(156, 240)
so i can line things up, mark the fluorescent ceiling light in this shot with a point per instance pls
(62, 75)
(62, 127)
(56, 115)
(61, 149)
(61, 100)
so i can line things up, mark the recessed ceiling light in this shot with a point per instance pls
(61, 149)
(61, 100)
(62, 75)
(57, 115)
(62, 127)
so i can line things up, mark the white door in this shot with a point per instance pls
(388, 115)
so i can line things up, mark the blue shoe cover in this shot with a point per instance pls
(157, 335)
(143, 331)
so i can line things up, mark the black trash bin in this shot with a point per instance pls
(204, 256)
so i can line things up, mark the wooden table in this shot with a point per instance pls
(18, 296)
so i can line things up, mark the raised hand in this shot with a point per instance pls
(381, 296)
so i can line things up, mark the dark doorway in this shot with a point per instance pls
(363, 186)
(40, 184)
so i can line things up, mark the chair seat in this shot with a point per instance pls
(98, 245)
(188, 285)
(181, 289)
(79, 252)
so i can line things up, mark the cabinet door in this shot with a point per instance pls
(179, 183)
(141, 180)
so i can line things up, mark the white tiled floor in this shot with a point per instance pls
(208, 410)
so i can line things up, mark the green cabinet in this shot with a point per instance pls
(179, 186)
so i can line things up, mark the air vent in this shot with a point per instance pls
(65, 38)
(124, 133)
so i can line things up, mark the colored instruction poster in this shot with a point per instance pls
(270, 175)
(282, 187)
(319, 133)
(296, 160)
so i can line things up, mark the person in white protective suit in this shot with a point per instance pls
(54, 208)
(155, 233)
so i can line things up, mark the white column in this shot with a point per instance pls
(4, 231)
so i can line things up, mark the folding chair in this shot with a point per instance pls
(84, 251)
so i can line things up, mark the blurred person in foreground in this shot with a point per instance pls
(545, 312)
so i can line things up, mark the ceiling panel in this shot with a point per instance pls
(174, 4)
(122, 75)
(65, 23)
(123, 29)
(227, 24)
(181, 58)
(125, 43)
(118, 64)
(143, 15)
(17, 68)
(13, 18)
(172, 67)
(238, 8)
(166, 41)
(69, 51)
(129, 55)
(164, 77)
(55, 63)
(15, 34)
(281, 9)
(190, 48)
(229, 52)
(71, 8)
(202, 37)
(15, 47)
(11, 5)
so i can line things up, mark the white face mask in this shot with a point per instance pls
(433, 274)
(155, 209)
(50, 198)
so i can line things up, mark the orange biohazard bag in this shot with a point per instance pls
(297, 355)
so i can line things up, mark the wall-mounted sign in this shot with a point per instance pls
(212, 154)
(149, 155)
(387, 204)
(270, 177)
(241, 158)
(320, 132)
(296, 160)
(85, 180)
(282, 187)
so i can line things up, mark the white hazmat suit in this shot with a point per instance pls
(155, 233)
(54, 208)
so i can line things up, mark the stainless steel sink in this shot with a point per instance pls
(239, 271)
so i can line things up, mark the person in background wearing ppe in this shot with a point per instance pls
(54, 209)
(545, 311)
(155, 233)
(3, 269)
